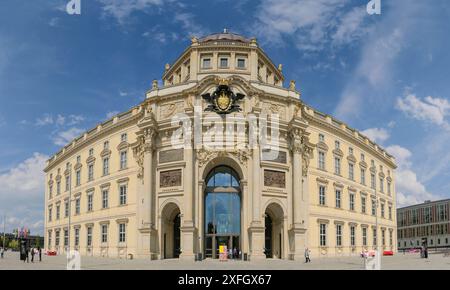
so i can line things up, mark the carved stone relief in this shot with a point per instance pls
(170, 178)
(274, 179)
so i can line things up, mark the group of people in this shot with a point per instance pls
(234, 253)
(424, 252)
(33, 252)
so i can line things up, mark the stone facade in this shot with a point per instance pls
(138, 183)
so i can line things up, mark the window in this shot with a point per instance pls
(350, 151)
(77, 206)
(351, 171)
(362, 157)
(90, 204)
(352, 236)
(123, 195)
(224, 62)
(123, 137)
(78, 159)
(58, 187)
(390, 239)
(338, 198)
(374, 236)
(389, 188)
(321, 160)
(374, 210)
(363, 204)
(323, 235)
(91, 172)
(381, 185)
(322, 195)
(78, 177)
(104, 233)
(57, 212)
(372, 181)
(66, 209)
(106, 145)
(77, 237)
(382, 210)
(321, 138)
(50, 191)
(337, 145)
(241, 63)
(105, 166)
(372, 163)
(338, 235)
(383, 236)
(66, 237)
(67, 182)
(57, 238)
(364, 236)
(105, 198)
(363, 176)
(337, 166)
(50, 214)
(123, 160)
(49, 245)
(390, 212)
(122, 233)
(91, 152)
(89, 236)
(206, 63)
(352, 201)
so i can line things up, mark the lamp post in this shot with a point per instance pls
(4, 232)
(70, 211)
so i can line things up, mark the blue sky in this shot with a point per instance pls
(386, 75)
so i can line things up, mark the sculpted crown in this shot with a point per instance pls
(222, 81)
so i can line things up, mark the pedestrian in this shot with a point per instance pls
(2, 251)
(307, 254)
(27, 253)
(32, 255)
(40, 254)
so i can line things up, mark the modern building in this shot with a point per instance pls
(426, 224)
(221, 154)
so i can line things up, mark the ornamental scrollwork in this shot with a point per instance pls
(299, 144)
(144, 145)
(204, 156)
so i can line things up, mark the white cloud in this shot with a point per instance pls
(378, 135)
(123, 94)
(75, 119)
(434, 110)
(111, 114)
(59, 120)
(22, 194)
(120, 9)
(311, 24)
(409, 188)
(188, 23)
(44, 120)
(62, 138)
(54, 22)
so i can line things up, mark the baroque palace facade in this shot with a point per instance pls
(152, 182)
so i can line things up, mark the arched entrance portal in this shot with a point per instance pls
(274, 218)
(222, 204)
(171, 221)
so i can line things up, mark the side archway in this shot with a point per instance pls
(274, 231)
(170, 231)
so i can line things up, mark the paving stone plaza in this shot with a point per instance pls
(398, 262)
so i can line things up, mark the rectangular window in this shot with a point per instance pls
(351, 171)
(122, 233)
(241, 63)
(372, 181)
(49, 214)
(383, 237)
(89, 236)
(66, 237)
(321, 160)
(105, 166)
(224, 62)
(104, 233)
(57, 238)
(57, 212)
(390, 238)
(78, 177)
(337, 145)
(321, 138)
(390, 212)
(77, 206)
(323, 235)
(338, 199)
(364, 236)
(374, 237)
(338, 235)
(78, 159)
(350, 151)
(382, 210)
(66, 209)
(58, 187)
(123, 195)
(363, 177)
(363, 204)
(105, 194)
(67, 183)
(91, 152)
(352, 201)
(49, 240)
(50, 192)
(352, 236)
(374, 210)
(381, 185)
(337, 166)
(123, 160)
(206, 63)
(322, 195)
(77, 237)
(91, 172)
(106, 145)
(389, 188)
(90, 203)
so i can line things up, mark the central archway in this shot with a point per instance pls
(222, 212)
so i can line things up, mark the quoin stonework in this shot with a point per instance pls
(221, 153)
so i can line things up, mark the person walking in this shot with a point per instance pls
(307, 254)
(27, 253)
(32, 255)
(2, 251)
(40, 254)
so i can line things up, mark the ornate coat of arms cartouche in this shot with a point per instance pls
(223, 100)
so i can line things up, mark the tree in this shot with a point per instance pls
(14, 244)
